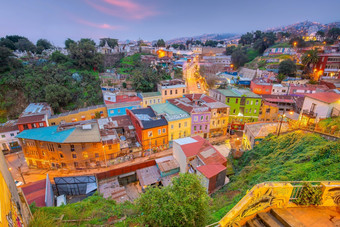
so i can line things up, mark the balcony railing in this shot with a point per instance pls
(309, 113)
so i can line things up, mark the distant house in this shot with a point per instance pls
(171, 89)
(150, 98)
(34, 116)
(269, 112)
(118, 104)
(196, 155)
(255, 132)
(319, 106)
(151, 130)
(8, 131)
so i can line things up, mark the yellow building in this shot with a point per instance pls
(268, 112)
(171, 89)
(14, 210)
(68, 146)
(150, 98)
(82, 114)
(179, 121)
(219, 116)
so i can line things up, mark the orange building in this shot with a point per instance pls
(151, 130)
(260, 87)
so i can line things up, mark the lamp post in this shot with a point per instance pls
(283, 115)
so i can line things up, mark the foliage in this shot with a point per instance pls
(300, 43)
(329, 125)
(57, 95)
(211, 43)
(111, 42)
(10, 41)
(309, 195)
(281, 45)
(43, 44)
(287, 67)
(298, 157)
(320, 33)
(178, 73)
(25, 45)
(333, 33)
(280, 77)
(7, 60)
(261, 40)
(160, 43)
(230, 50)
(310, 57)
(178, 46)
(184, 203)
(58, 57)
(68, 43)
(239, 58)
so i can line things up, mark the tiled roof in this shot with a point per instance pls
(148, 118)
(211, 170)
(9, 126)
(170, 112)
(76, 111)
(36, 108)
(124, 99)
(327, 97)
(35, 192)
(31, 119)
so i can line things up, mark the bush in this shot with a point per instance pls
(309, 195)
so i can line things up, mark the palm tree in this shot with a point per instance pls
(309, 58)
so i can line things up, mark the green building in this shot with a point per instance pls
(244, 105)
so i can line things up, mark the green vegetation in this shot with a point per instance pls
(298, 157)
(329, 125)
(281, 45)
(260, 40)
(309, 195)
(184, 203)
(287, 68)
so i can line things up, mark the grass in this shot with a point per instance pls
(298, 157)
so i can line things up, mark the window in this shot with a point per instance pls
(206, 127)
(83, 146)
(50, 147)
(74, 156)
(234, 111)
(200, 127)
(159, 131)
(180, 135)
(12, 134)
(25, 127)
(246, 110)
(228, 99)
(202, 118)
(195, 119)
(159, 100)
(257, 102)
(194, 128)
(72, 147)
(163, 141)
(146, 102)
(249, 110)
(170, 92)
(76, 164)
(172, 126)
(164, 130)
(85, 155)
(183, 91)
(53, 123)
(110, 147)
(251, 103)
(255, 111)
(213, 123)
(268, 110)
(149, 133)
(3, 136)
(223, 121)
(176, 91)
(207, 118)
(59, 145)
(111, 111)
(155, 142)
(96, 155)
(165, 92)
(61, 155)
(179, 125)
(218, 122)
(236, 100)
(33, 125)
(172, 136)
(248, 102)
(42, 124)
(185, 133)
(82, 118)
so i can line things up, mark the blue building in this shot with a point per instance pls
(117, 104)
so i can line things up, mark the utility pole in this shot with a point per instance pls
(283, 115)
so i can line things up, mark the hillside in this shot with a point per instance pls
(292, 157)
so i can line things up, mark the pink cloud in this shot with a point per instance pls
(122, 8)
(95, 25)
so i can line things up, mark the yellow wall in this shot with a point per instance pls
(152, 100)
(176, 132)
(8, 210)
(170, 93)
(88, 114)
(157, 140)
(268, 117)
(217, 119)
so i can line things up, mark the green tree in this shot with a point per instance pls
(25, 45)
(211, 43)
(57, 95)
(111, 42)
(44, 43)
(309, 58)
(84, 54)
(320, 33)
(300, 43)
(58, 57)
(333, 33)
(7, 60)
(230, 50)
(68, 43)
(287, 67)
(7, 43)
(280, 77)
(184, 203)
(239, 58)
(160, 43)
(246, 39)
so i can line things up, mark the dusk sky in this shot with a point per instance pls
(57, 20)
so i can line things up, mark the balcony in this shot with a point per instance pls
(310, 114)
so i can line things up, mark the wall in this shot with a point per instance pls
(322, 109)
(80, 116)
(199, 125)
(271, 116)
(8, 137)
(39, 124)
(261, 89)
(219, 120)
(157, 140)
(119, 111)
(176, 132)
(170, 92)
(152, 100)
(180, 157)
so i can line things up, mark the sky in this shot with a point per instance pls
(57, 20)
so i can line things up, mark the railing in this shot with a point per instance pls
(309, 113)
(298, 186)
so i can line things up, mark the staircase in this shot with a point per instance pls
(278, 217)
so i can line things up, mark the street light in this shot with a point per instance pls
(283, 115)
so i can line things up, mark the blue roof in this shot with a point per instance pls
(49, 134)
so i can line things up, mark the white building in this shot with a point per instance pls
(218, 59)
(8, 131)
(279, 89)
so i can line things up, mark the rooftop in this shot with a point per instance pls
(264, 129)
(167, 163)
(68, 133)
(35, 192)
(76, 111)
(31, 119)
(150, 94)
(170, 112)
(148, 118)
(148, 176)
(124, 99)
(175, 83)
(36, 108)
(327, 97)
(237, 93)
(9, 126)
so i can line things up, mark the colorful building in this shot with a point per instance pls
(268, 112)
(260, 87)
(196, 155)
(151, 130)
(150, 98)
(328, 66)
(8, 131)
(199, 112)
(34, 116)
(244, 105)
(171, 89)
(67, 146)
(255, 132)
(14, 210)
(179, 121)
(82, 114)
(118, 104)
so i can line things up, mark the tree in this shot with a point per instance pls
(310, 57)
(300, 43)
(184, 203)
(84, 54)
(246, 39)
(209, 73)
(287, 67)
(230, 50)
(68, 43)
(211, 43)
(57, 95)
(239, 58)
(25, 45)
(7, 60)
(280, 77)
(320, 33)
(44, 43)
(58, 57)
(7, 43)
(111, 42)
(333, 33)
(160, 43)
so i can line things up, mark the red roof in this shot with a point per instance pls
(211, 170)
(192, 149)
(124, 98)
(279, 100)
(35, 192)
(31, 119)
(327, 97)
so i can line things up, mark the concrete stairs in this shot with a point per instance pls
(278, 217)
